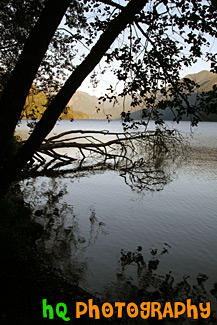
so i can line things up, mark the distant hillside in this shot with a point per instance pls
(36, 104)
(84, 106)
(84, 103)
(206, 80)
(89, 105)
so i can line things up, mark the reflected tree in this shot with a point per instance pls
(143, 159)
(61, 242)
(140, 280)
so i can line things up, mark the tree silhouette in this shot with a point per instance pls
(148, 63)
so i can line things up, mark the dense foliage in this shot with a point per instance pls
(163, 38)
(17, 18)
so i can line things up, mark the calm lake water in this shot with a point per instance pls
(102, 233)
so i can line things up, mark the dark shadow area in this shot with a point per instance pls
(26, 276)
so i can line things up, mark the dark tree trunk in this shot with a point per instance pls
(17, 89)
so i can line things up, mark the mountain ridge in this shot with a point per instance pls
(82, 105)
(88, 104)
(206, 80)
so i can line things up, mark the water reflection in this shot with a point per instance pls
(155, 163)
(61, 241)
(89, 215)
(145, 160)
(138, 280)
(147, 176)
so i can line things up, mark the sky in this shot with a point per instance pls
(107, 79)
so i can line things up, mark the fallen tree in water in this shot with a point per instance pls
(140, 157)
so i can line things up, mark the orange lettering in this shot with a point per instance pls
(168, 310)
(80, 312)
(155, 308)
(205, 312)
(145, 307)
(178, 312)
(132, 310)
(107, 310)
(120, 306)
(94, 308)
(191, 308)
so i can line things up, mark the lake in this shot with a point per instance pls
(119, 241)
